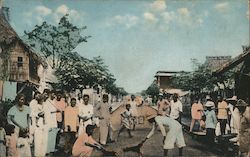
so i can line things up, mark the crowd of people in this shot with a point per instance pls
(36, 129)
(53, 123)
(226, 116)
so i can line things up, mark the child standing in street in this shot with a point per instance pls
(23, 144)
(11, 141)
(211, 122)
(126, 121)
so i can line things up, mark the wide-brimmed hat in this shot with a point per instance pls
(234, 98)
(151, 116)
(241, 103)
(209, 104)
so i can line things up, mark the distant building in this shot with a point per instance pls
(18, 63)
(214, 62)
(163, 78)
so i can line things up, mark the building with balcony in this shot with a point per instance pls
(18, 63)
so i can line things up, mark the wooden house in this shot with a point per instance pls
(18, 62)
(163, 78)
(241, 66)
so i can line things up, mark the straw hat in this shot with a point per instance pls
(234, 98)
(209, 104)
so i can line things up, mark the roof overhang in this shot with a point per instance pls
(236, 61)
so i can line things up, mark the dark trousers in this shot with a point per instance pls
(210, 135)
(223, 123)
(60, 126)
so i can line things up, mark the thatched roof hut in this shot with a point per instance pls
(8, 38)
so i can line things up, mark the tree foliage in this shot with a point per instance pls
(55, 41)
(153, 90)
(201, 79)
(73, 71)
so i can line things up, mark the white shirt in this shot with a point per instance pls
(79, 102)
(86, 110)
(50, 107)
(133, 108)
(176, 108)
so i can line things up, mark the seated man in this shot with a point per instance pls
(80, 148)
(84, 145)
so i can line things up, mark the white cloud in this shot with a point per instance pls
(184, 12)
(222, 6)
(184, 16)
(150, 17)
(168, 16)
(38, 14)
(126, 20)
(42, 10)
(159, 5)
(62, 9)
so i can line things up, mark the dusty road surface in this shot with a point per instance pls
(153, 147)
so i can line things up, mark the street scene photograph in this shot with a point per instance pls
(124, 78)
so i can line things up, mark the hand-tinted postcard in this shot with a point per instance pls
(125, 78)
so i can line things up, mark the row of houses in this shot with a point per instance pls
(240, 66)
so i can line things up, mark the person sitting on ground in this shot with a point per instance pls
(85, 144)
(126, 121)
(196, 112)
(172, 137)
(211, 122)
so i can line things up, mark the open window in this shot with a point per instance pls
(20, 62)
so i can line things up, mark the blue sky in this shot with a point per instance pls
(138, 38)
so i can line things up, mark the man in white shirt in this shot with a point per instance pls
(49, 104)
(103, 112)
(176, 108)
(79, 100)
(173, 137)
(86, 112)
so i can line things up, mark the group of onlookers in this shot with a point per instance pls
(36, 129)
(224, 117)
